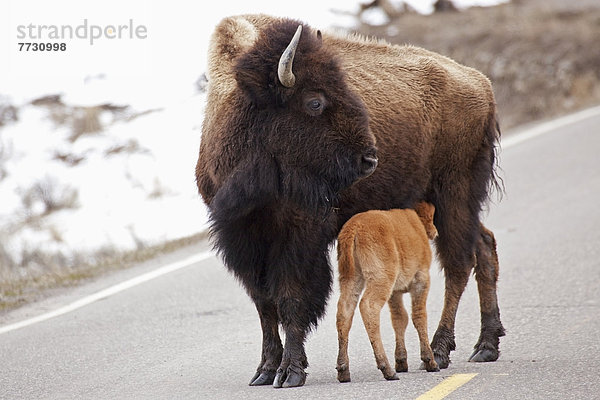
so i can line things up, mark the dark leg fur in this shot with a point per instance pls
(486, 274)
(299, 308)
(284, 267)
(271, 344)
(291, 370)
(458, 197)
(455, 247)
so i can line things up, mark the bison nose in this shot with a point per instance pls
(368, 165)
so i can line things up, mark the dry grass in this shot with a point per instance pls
(48, 272)
(541, 56)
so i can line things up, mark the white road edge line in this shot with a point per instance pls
(513, 140)
(110, 291)
(549, 126)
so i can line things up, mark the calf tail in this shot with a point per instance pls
(346, 259)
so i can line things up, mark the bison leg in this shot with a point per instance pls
(443, 339)
(486, 274)
(302, 296)
(271, 344)
(458, 229)
(291, 370)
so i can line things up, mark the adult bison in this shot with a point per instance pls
(302, 131)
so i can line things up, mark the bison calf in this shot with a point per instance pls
(388, 253)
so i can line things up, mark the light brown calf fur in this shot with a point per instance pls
(388, 253)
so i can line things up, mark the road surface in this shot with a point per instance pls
(192, 333)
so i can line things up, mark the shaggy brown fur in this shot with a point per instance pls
(283, 168)
(386, 253)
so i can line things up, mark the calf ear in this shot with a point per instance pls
(253, 184)
(425, 211)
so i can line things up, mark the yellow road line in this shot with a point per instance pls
(447, 386)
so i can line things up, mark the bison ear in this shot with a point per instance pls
(256, 81)
(320, 36)
(253, 184)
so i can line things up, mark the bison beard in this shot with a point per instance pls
(288, 155)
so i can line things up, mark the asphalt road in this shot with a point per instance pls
(193, 333)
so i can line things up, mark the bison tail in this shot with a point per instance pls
(493, 135)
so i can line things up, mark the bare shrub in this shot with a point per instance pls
(8, 114)
(6, 152)
(51, 195)
(131, 146)
(85, 120)
(68, 158)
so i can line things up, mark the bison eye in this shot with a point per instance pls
(314, 103)
(314, 107)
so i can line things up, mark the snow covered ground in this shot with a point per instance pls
(81, 172)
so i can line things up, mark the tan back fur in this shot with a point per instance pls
(391, 242)
(387, 253)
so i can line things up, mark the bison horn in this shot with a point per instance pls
(284, 70)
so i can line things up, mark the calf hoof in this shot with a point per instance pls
(262, 378)
(484, 355)
(441, 361)
(431, 366)
(392, 377)
(388, 373)
(401, 365)
(343, 374)
(289, 378)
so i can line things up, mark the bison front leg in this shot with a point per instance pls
(486, 274)
(271, 343)
(303, 293)
(291, 370)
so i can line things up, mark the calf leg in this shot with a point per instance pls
(271, 343)
(399, 323)
(418, 295)
(350, 291)
(370, 307)
(486, 274)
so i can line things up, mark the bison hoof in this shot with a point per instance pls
(289, 378)
(262, 378)
(442, 361)
(484, 355)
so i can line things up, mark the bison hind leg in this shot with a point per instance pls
(486, 275)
